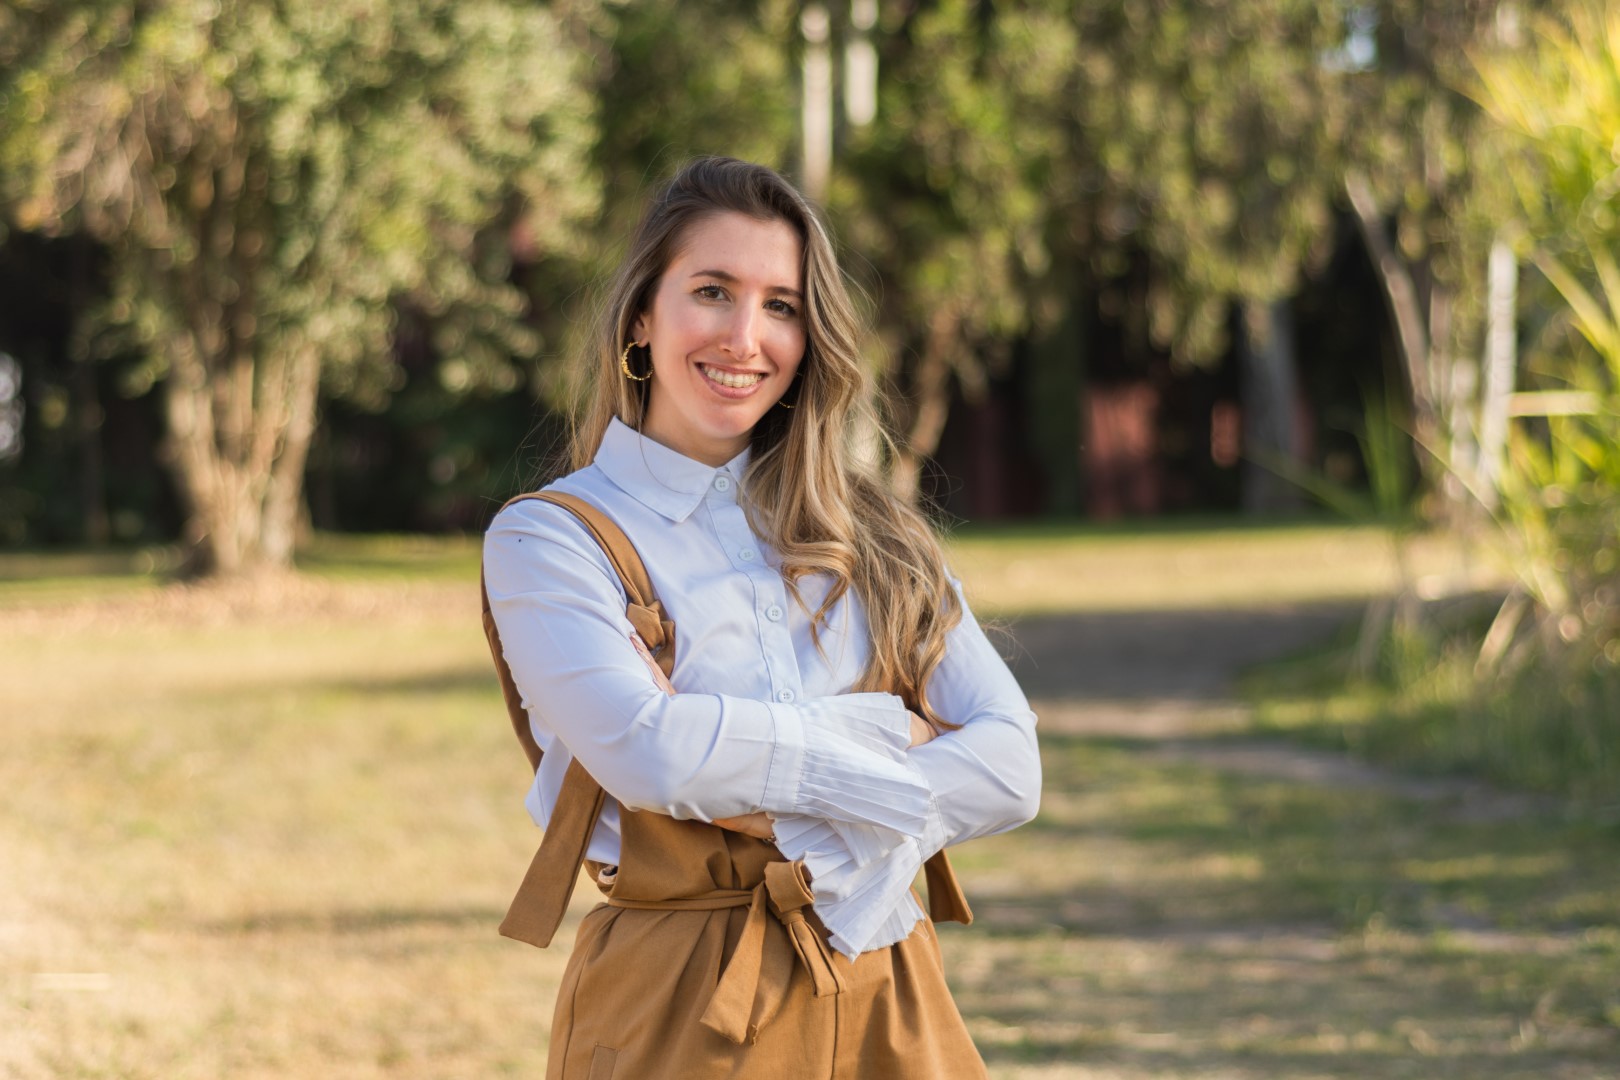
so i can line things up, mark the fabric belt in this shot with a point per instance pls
(754, 983)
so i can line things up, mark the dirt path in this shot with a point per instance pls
(1166, 679)
(1198, 902)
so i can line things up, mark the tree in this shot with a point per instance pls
(1024, 153)
(1207, 131)
(944, 197)
(272, 183)
(1428, 205)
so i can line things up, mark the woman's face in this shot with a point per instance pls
(726, 331)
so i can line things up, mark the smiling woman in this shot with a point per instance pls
(755, 765)
(725, 334)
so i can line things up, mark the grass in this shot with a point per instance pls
(1426, 708)
(241, 841)
(265, 850)
(1056, 568)
(1012, 570)
(1166, 920)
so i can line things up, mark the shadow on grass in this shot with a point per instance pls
(1174, 654)
(1165, 919)
(1250, 848)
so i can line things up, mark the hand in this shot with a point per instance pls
(921, 730)
(758, 825)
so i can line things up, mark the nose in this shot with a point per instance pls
(742, 335)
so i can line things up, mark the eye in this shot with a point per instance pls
(710, 292)
(781, 307)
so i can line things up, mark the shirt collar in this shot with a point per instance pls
(659, 478)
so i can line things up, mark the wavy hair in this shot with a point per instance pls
(818, 501)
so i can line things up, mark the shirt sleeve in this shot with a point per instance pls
(983, 778)
(560, 611)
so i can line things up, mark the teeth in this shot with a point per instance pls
(726, 378)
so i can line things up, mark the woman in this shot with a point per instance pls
(840, 717)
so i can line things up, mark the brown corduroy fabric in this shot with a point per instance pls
(706, 961)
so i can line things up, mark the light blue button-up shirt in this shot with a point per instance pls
(763, 719)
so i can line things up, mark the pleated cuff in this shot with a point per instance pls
(864, 906)
(896, 927)
(876, 907)
(874, 721)
(842, 781)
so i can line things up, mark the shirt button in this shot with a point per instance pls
(746, 554)
(784, 696)
(773, 613)
(722, 483)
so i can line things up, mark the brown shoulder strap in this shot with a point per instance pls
(645, 613)
(537, 909)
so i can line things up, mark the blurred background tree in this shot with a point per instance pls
(1117, 253)
(271, 188)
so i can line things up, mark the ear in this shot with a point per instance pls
(638, 329)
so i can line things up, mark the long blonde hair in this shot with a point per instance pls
(810, 494)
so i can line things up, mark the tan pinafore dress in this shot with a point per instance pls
(706, 961)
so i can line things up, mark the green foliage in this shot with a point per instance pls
(945, 193)
(272, 178)
(1401, 120)
(273, 185)
(1386, 453)
(1422, 707)
(1535, 705)
(1014, 146)
(1557, 104)
(1209, 129)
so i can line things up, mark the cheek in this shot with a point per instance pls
(789, 352)
(678, 333)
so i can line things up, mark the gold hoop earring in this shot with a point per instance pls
(782, 401)
(624, 364)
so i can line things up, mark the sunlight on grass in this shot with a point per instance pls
(1378, 939)
(290, 847)
(273, 837)
(1013, 571)
(1009, 570)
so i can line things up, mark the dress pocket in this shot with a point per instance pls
(602, 1062)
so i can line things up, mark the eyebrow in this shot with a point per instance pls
(731, 279)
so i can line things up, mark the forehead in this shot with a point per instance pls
(767, 252)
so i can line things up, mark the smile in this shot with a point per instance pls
(733, 380)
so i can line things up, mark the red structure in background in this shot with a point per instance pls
(1122, 469)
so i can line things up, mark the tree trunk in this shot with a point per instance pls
(242, 493)
(1500, 347)
(283, 500)
(930, 406)
(1270, 397)
(1054, 405)
(1411, 329)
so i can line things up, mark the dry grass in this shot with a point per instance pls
(269, 834)
(1042, 569)
(262, 847)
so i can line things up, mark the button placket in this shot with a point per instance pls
(775, 643)
(776, 640)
